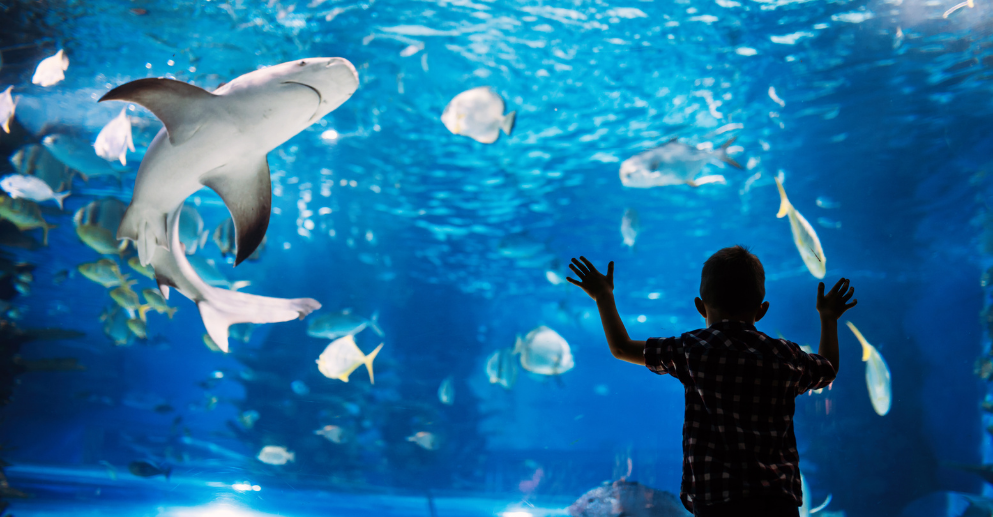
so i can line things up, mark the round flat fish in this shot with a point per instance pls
(478, 114)
(545, 352)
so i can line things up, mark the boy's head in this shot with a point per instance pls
(732, 286)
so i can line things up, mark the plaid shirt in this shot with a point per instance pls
(738, 439)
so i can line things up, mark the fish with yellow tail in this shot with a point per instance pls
(804, 236)
(877, 374)
(155, 301)
(25, 215)
(342, 357)
(128, 300)
(146, 271)
(104, 272)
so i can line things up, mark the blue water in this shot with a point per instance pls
(449, 241)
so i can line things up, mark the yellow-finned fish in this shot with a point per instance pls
(146, 271)
(804, 236)
(104, 272)
(128, 299)
(138, 328)
(25, 215)
(96, 225)
(877, 374)
(155, 300)
(342, 357)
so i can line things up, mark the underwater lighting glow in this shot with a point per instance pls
(246, 487)
(516, 513)
(329, 135)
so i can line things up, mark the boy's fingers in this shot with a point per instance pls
(588, 263)
(848, 294)
(837, 286)
(610, 269)
(850, 305)
(576, 270)
(820, 290)
(579, 268)
(573, 281)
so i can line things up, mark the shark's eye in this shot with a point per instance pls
(302, 63)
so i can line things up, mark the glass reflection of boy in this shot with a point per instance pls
(739, 451)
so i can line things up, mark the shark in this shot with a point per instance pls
(220, 139)
(219, 308)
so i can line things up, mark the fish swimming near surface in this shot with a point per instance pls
(545, 352)
(276, 455)
(804, 236)
(78, 154)
(145, 271)
(220, 140)
(35, 160)
(7, 106)
(191, 232)
(675, 163)
(478, 114)
(219, 308)
(877, 374)
(343, 356)
(51, 70)
(501, 368)
(25, 215)
(627, 498)
(425, 440)
(95, 225)
(333, 433)
(446, 392)
(31, 187)
(339, 324)
(114, 139)
(155, 301)
(630, 225)
(224, 238)
(147, 469)
(104, 272)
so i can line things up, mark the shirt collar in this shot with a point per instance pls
(732, 325)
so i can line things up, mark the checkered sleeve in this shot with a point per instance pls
(816, 371)
(663, 355)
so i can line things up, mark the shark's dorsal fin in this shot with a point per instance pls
(247, 191)
(179, 105)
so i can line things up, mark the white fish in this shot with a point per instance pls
(342, 357)
(877, 374)
(804, 236)
(191, 232)
(276, 455)
(446, 392)
(332, 432)
(219, 308)
(478, 114)
(30, 187)
(114, 139)
(674, 163)
(220, 140)
(425, 439)
(630, 225)
(51, 70)
(501, 368)
(339, 324)
(545, 352)
(7, 107)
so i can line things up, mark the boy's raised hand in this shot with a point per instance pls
(590, 280)
(833, 304)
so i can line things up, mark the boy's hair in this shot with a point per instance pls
(733, 281)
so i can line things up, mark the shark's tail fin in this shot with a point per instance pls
(147, 230)
(222, 308)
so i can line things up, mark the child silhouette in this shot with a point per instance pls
(739, 451)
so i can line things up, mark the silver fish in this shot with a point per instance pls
(339, 324)
(478, 114)
(545, 352)
(31, 187)
(114, 139)
(51, 70)
(674, 163)
(630, 225)
(7, 106)
(191, 232)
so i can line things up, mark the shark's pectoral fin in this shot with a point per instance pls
(247, 191)
(180, 106)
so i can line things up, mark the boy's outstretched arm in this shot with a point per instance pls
(831, 306)
(600, 287)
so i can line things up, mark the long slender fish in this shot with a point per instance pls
(221, 139)
(877, 374)
(804, 236)
(219, 308)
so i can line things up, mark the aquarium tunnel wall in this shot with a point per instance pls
(428, 190)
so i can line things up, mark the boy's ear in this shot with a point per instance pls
(762, 310)
(701, 308)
